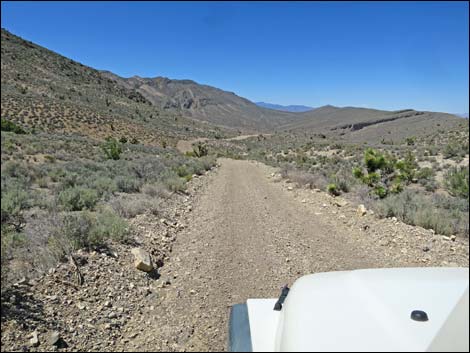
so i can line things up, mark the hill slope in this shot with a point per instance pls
(363, 124)
(202, 102)
(48, 92)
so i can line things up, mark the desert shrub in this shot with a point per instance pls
(131, 206)
(407, 167)
(374, 160)
(182, 171)
(42, 182)
(86, 229)
(78, 198)
(14, 200)
(333, 189)
(456, 181)
(49, 158)
(452, 149)
(128, 184)
(103, 185)
(208, 162)
(112, 148)
(446, 215)
(108, 225)
(380, 191)
(16, 170)
(10, 239)
(123, 139)
(384, 174)
(424, 174)
(200, 150)
(175, 183)
(156, 190)
(57, 174)
(10, 126)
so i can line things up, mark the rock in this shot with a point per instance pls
(34, 341)
(361, 210)
(142, 260)
(446, 238)
(290, 188)
(54, 338)
(340, 202)
(13, 299)
(80, 306)
(316, 190)
(304, 201)
(112, 315)
(22, 281)
(453, 237)
(426, 248)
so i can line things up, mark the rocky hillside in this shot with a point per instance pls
(45, 91)
(361, 124)
(206, 103)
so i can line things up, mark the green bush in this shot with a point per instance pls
(78, 198)
(108, 225)
(385, 174)
(200, 150)
(10, 126)
(374, 160)
(112, 148)
(104, 186)
(456, 181)
(358, 173)
(333, 189)
(410, 141)
(86, 229)
(380, 191)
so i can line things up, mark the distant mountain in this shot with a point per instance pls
(362, 124)
(285, 108)
(204, 103)
(49, 92)
(463, 115)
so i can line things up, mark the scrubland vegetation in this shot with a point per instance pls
(422, 181)
(64, 192)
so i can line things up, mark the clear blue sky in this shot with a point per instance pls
(383, 55)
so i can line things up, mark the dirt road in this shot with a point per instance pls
(248, 237)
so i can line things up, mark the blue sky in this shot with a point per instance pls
(383, 55)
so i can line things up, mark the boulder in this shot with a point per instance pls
(361, 210)
(339, 202)
(142, 260)
(54, 338)
(34, 341)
